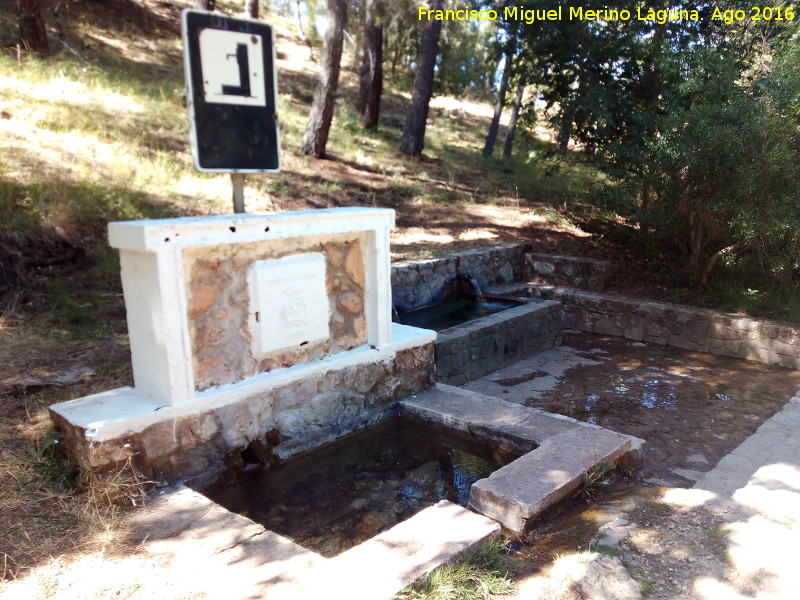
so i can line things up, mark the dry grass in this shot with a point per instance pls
(45, 512)
(51, 510)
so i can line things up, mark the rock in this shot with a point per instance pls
(613, 532)
(352, 303)
(72, 376)
(545, 268)
(584, 577)
(606, 579)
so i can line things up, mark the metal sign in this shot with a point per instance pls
(232, 93)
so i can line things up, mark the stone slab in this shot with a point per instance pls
(185, 520)
(526, 487)
(232, 557)
(268, 566)
(460, 409)
(559, 450)
(385, 564)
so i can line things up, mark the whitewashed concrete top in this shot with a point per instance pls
(151, 234)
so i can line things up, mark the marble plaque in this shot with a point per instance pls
(289, 303)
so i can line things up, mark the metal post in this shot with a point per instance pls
(237, 180)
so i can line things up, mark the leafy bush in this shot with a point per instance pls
(720, 175)
(49, 462)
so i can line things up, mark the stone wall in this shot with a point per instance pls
(568, 271)
(260, 427)
(219, 302)
(473, 349)
(699, 329)
(421, 283)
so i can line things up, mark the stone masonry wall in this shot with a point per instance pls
(568, 271)
(421, 283)
(279, 423)
(219, 301)
(472, 350)
(702, 330)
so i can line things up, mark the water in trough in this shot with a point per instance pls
(449, 314)
(344, 493)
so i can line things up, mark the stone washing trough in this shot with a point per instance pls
(259, 562)
(262, 336)
(479, 333)
(471, 350)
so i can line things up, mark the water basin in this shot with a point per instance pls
(346, 492)
(449, 314)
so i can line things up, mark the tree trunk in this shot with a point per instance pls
(368, 104)
(301, 32)
(494, 126)
(565, 130)
(413, 140)
(319, 121)
(719, 254)
(31, 26)
(205, 4)
(508, 144)
(695, 240)
(251, 8)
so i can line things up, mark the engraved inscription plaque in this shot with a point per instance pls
(289, 304)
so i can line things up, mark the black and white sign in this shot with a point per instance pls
(230, 75)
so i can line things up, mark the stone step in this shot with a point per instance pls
(230, 556)
(558, 450)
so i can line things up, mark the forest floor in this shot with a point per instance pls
(98, 133)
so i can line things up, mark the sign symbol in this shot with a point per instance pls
(233, 67)
(294, 311)
(230, 73)
(243, 89)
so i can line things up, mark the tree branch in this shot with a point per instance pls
(719, 254)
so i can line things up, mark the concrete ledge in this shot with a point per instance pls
(559, 450)
(210, 230)
(283, 412)
(471, 350)
(236, 558)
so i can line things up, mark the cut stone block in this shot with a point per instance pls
(382, 566)
(240, 559)
(559, 450)
(526, 487)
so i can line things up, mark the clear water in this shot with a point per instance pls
(344, 493)
(449, 314)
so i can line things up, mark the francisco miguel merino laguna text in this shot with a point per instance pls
(515, 13)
